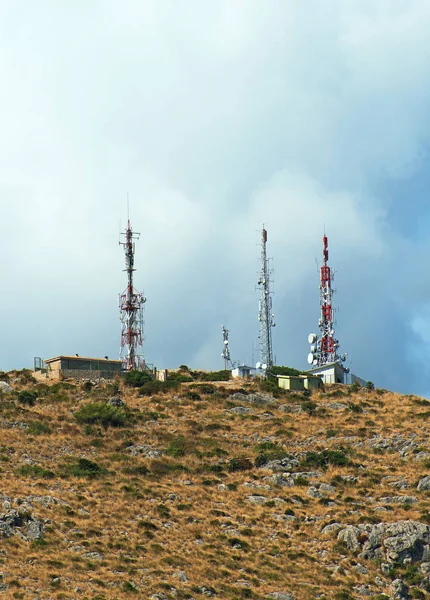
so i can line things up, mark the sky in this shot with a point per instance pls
(216, 117)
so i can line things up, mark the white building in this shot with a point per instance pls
(331, 372)
(243, 372)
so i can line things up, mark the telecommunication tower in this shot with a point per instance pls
(324, 347)
(131, 310)
(265, 315)
(225, 350)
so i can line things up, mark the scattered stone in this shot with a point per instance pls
(424, 484)
(331, 528)
(241, 410)
(360, 569)
(115, 402)
(93, 555)
(5, 387)
(399, 590)
(325, 488)
(35, 529)
(281, 596)
(363, 590)
(399, 500)
(313, 492)
(336, 405)
(256, 399)
(146, 451)
(257, 499)
(181, 575)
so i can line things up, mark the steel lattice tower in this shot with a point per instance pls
(226, 350)
(324, 347)
(131, 310)
(265, 315)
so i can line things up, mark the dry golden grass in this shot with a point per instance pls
(130, 530)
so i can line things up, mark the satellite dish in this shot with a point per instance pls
(258, 365)
(264, 366)
(315, 362)
(312, 338)
(313, 348)
(225, 342)
(310, 358)
(343, 357)
(347, 370)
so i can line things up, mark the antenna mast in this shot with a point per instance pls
(131, 310)
(226, 350)
(324, 347)
(265, 315)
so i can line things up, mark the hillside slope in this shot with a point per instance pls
(211, 491)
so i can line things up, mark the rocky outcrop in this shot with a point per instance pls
(256, 399)
(5, 387)
(424, 484)
(401, 542)
(22, 523)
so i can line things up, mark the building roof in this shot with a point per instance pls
(302, 376)
(328, 365)
(49, 360)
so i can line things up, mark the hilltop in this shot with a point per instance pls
(227, 490)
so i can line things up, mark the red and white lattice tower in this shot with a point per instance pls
(131, 311)
(324, 347)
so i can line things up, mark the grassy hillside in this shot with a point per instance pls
(209, 490)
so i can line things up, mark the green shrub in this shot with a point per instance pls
(192, 395)
(309, 407)
(179, 377)
(239, 464)
(137, 378)
(152, 388)
(223, 375)
(84, 468)
(102, 414)
(27, 397)
(325, 458)
(38, 428)
(370, 385)
(278, 370)
(177, 447)
(35, 471)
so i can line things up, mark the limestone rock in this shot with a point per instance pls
(424, 484)
(399, 591)
(5, 387)
(115, 402)
(257, 499)
(256, 399)
(399, 542)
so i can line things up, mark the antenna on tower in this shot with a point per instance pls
(225, 350)
(265, 315)
(324, 347)
(131, 309)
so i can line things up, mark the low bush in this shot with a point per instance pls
(223, 375)
(325, 458)
(177, 447)
(38, 428)
(27, 397)
(84, 468)
(35, 471)
(152, 388)
(137, 378)
(239, 464)
(102, 414)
